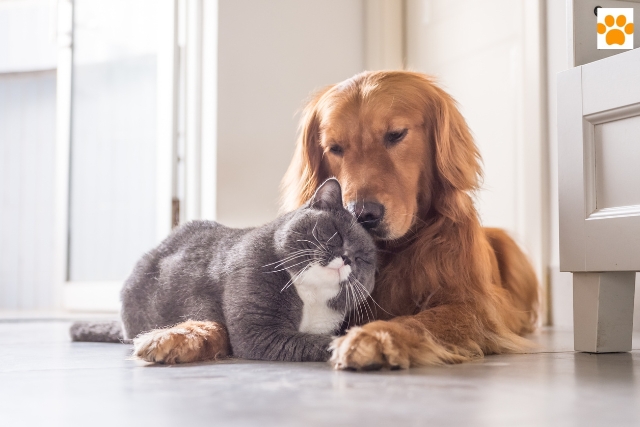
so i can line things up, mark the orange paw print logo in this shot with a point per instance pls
(615, 35)
(615, 28)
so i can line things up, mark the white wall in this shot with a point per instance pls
(271, 55)
(27, 35)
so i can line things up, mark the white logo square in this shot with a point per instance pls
(615, 28)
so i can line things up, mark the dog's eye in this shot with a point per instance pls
(395, 136)
(337, 150)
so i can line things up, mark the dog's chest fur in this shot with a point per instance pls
(316, 287)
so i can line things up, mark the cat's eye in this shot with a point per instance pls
(335, 240)
(360, 259)
(336, 149)
(394, 137)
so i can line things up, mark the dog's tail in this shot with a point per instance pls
(518, 278)
(97, 332)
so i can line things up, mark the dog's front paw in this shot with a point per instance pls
(369, 348)
(186, 342)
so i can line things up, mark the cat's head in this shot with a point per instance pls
(322, 233)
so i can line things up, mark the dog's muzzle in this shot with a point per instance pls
(369, 214)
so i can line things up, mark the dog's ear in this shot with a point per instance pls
(457, 159)
(306, 171)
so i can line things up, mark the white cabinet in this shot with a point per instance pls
(599, 195)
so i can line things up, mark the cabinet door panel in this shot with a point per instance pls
(611, 82)
(617, 163)
(599, 161)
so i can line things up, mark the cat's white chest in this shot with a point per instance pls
(315, 287)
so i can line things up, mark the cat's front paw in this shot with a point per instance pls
(368, 348)
(190, 341)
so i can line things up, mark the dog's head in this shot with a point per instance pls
(398, 145)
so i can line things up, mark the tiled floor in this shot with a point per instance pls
(45, 380)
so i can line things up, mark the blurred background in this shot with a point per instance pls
(122, 118)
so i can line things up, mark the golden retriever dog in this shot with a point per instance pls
(448, 290)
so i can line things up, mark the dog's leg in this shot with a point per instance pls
(190, 341)
(444, 334)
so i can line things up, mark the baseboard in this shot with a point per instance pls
(91, 296)
(561, 298)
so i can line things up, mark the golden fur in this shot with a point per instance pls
(189, 341)
(449, 289)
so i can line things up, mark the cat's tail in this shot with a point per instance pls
(97, 332)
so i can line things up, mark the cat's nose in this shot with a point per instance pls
(346, 260)
(369, 214)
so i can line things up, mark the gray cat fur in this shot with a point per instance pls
(97, 332)
(206, 271)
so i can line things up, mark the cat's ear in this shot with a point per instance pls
(328, 196)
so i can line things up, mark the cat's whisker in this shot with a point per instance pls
(372, 299)
(294, 258)
(315, 236)
(295, 277)
(301, 273)
(301, 251)
(366, 307)
(357, 218)
(306, 252)
(342, 289)
(356, 305)
(315, 249)
(287, 267)
(334, 235)
(289, 282)
(289, 258)
(314, 244)
(348, 303)
(364, 304)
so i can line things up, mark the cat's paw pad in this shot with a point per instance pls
(186, 342)
(368, 349)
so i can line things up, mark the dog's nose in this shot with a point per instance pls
(369, 214)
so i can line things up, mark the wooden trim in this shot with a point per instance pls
(193, 109)
(209, 110)
(384, 34)
(199, 111)
(619, 211)
(168, 89)
(570, 171)
(533, 203)
(62, 149)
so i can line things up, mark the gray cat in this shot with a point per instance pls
(282, 290)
